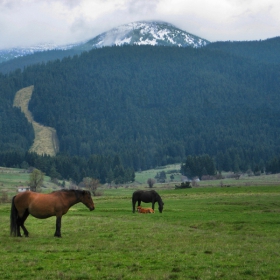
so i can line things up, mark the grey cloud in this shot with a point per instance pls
(72, 21)
(142, 6)
(8, 4)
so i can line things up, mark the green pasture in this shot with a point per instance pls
(203, 233)
(12, 178)
(244, 180)
(141, 177)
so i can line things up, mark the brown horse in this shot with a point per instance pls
(43, 206)
(140, 209)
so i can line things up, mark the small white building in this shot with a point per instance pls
(23, 189)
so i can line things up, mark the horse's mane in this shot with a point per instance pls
(69, 190)
(76, 192)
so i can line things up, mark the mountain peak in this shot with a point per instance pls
(156, 33)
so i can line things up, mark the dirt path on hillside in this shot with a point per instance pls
(46, 141)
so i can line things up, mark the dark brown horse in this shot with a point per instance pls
(43, 206)
(147, 196)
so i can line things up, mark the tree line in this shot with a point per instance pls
(111, 170)
(198, 166)
(74, 168)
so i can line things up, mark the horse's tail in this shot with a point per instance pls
(13, 218)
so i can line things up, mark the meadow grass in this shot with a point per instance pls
(203, 233)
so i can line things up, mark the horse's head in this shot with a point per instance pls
(160, 206)
(87, 200)
(160, 203)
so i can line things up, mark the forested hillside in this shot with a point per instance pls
(15, 131)
(157, 105)
(267, 51)
(36, 58)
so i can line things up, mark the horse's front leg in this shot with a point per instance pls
(58, 227)
(153, 205)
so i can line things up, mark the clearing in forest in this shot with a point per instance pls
(46, 141)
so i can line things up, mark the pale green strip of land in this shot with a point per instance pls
(46, 141)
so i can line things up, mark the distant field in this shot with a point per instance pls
(143, 176)
(203, 233)
(12, 178)
(244, 180)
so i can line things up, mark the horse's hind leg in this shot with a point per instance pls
(133, 205)
(18, 234)
(21, 223)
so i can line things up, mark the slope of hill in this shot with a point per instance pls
(16, 133)
(36, 58)
(267, 51)
(155, 105)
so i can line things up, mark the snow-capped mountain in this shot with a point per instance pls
(7, 54)
(146, 33)
(153, 33)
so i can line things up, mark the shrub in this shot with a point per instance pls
(4, 197)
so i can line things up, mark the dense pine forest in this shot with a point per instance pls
(38, 57)
(267, 51)
(15, 132)
(153, 106)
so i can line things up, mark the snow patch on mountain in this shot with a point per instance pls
(147, 33)
(7, 54)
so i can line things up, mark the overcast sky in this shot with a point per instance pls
(30, 22)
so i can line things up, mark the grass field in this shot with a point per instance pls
(203, 233)
(12, 178)
(143, 176)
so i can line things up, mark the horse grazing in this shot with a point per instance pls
(140, 209)
(43, 206)
(147, 196)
